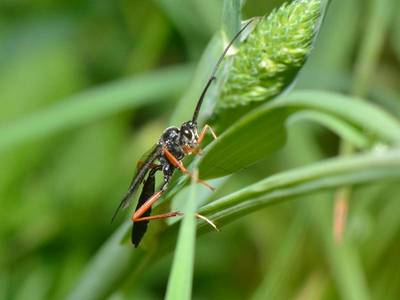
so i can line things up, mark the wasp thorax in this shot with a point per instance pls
(170, 136)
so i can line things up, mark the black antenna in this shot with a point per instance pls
(212, 77)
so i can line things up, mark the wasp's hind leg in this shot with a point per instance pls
(141, 217)
(142, 211)
(197, 150)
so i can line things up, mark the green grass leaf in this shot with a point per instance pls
(180, 279)
(262, 131)
(107, 268)
(351, 109)
(345, 268)
(343, 129)
(323, 175)
(94, 104)
(286, 263)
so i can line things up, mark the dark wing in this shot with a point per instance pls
(140, 228)
(138, 178)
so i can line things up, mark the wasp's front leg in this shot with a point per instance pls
(197, 150)
(203, 133)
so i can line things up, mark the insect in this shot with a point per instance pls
(174, 144)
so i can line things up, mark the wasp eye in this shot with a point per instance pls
(187, 134)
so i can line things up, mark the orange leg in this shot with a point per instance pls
(157, 217)
(188, 150)
(137, 216)
(175, 214)
(138, 213)
(178, 164)
(203, 133)
(197, 150)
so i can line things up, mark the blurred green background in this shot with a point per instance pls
(60, 183)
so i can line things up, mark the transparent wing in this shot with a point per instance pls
(138, 178)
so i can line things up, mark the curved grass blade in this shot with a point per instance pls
(351, 109)
(107, 268)
(323, 175)
(262, 131)
(343, 129)
(94, 104)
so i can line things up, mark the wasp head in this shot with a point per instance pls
(188, 134)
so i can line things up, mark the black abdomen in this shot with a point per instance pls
(140, 228)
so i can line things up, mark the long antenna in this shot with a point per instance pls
(212, 77)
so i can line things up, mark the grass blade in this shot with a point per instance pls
(327, 174)
(286, 263)
(111, 263)
(264, 129)
(96, 103)
(180, 279)
(343, 129)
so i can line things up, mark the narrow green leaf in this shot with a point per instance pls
(285, 264)
(262, 131)
(187, 103)
(344, 260)
(181, 276)
(209, 58)
(319, 176)
(96, 103)
(328, 63)
(327, 174)
(191, 21)
(379, 17)
(345, 267)
(107, 268)
(387, 228)
(351, 109)
(231, 17)
(343, 129)
(396, 33)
